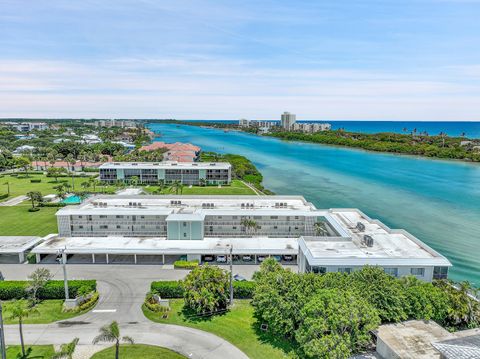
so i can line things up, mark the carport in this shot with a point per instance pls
(13, 249)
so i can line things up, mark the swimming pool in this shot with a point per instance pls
(74, 199)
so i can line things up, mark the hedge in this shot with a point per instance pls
(168, 289)
(174, 289)
(52, 204)
(54, 289)
(185, 264)
(35, 180)
(3, 196)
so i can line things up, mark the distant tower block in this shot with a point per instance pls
(287, 120)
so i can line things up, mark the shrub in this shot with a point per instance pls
(185, 264)
(85, 305)
(35, 180)
(167, 289)
(3, 196)
(243, 290)
(52, 204)
(34, 209)
(13, 174)
(54, 289)
(152, 305)
(31, 258)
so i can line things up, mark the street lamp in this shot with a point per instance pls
(231, 273)
(61, 252)
(2, 334)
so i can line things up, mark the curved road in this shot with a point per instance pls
(121, 299)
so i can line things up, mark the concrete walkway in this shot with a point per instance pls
(121, 297)
(13, 201)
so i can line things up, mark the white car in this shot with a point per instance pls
(261, 258)
(222, 259)
(247, 258)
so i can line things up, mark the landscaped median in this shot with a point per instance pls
(236, 325)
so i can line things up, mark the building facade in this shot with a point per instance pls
(287, 120)
(188, 173)
(285, 227)
(311, 127)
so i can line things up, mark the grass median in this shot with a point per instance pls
(238, 326)
(134, 351)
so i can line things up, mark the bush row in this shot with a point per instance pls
(35, 180)
(174, 289)
(185, 264)
(52, 204)
(54, 289)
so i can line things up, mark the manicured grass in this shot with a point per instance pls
(48, 311)
(238, 326)
(235, 188)
(134, 351)
(18, 221)
(20, 186)
(45, 351)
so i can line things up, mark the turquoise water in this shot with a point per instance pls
(72, 200)
(438, 201)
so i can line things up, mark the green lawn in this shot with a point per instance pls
(45, 351)
(138, 351)
(20, 186)
(48, 311)
(238, 326)
(18, 221)
(237, 187)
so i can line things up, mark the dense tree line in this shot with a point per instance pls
(440, 146)
(334, 312)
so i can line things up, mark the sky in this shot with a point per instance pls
(319, 59)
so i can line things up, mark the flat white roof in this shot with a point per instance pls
(390, 247)
(160, 245)
(17, 244)
(222, 205)
(168, 165)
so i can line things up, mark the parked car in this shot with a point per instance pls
(277, 258)
(222, 259)
(288, 258)
(247, 258)
(209, 258)
(261, 258)
(239, 278)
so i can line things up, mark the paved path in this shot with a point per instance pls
(13, 201)
(257, 192)
(121, 295)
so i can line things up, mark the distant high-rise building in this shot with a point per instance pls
(287, 120)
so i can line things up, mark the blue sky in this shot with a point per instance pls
(392, 60)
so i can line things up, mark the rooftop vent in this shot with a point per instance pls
(368, 240)
(360, 226)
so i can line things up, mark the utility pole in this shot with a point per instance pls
(64, 263)
(231, 274)
(2, 334)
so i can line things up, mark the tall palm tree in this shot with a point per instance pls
(134, 181)
(20, 311)
(250, 225)
(111, 334)
(175, 186)
(66, 350)
(34, 197)
(8, 187)
(320, 229)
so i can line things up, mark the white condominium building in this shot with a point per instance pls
(160, 229)
(287, 120)
(188, 173)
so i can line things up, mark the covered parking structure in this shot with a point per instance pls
(159, 250)
(13, 249)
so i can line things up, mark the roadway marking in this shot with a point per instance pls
(104, 311)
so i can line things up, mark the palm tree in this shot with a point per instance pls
(8, 187)
(85, 185)
(111, 334)
(134, 181)
(72, 161)
(175, 186)
(202, 182)
(161, 185)
(20, 311)
(320, 229)
(66, 350)
(28, 355)
(250, 225)
(34, 197)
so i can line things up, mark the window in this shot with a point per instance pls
(118, 226)
(391, 271)
(184, 235)
(319, 270)
(103, 216)
(80, 227)
(80, 216)
(234, 227)
(345, 270)
(440, 272)
(273, 217)
(119, 216)
(275, 227)
(419, 272)
(103, 227)
(184, 224)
